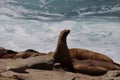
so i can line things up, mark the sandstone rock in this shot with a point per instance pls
(46, 75)
(38, 62)
(63, 75)
(4, 53)
(3, 64)
(34, 74)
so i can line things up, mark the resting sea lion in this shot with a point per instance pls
(61, 54)
(90, 70)
(81, 54)
(107, 65)
(28, 53)
(93, 67)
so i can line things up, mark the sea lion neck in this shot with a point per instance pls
(62, 38)
(61, 48)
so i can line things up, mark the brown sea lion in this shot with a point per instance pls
(28, 53)
(82, 54)
(61, 54)
(107, 65)
(90, 70)
(93, 67)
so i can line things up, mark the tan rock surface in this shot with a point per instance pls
(38, 62)
(34, 74)
(60, 75)
(37, 74)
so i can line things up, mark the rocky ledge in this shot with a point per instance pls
(25, 69)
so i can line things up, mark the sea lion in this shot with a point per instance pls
(90, 70)
(107, 65)
(61, 54)
(28, 53)
(82, 54)
(93, 67)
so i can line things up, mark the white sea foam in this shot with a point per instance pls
(96, 34)
(19, 31)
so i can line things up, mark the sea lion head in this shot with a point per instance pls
(64, 33)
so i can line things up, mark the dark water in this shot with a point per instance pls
(57, 9)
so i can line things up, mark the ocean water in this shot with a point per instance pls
(35, 24)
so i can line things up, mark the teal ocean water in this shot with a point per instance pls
(94, 24)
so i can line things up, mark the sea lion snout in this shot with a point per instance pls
(66, 31)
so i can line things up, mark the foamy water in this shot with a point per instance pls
(38, 27)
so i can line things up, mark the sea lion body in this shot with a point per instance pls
(107, 65)
(90, 70)
(93, 67)
(82, 54)
(61, 54)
